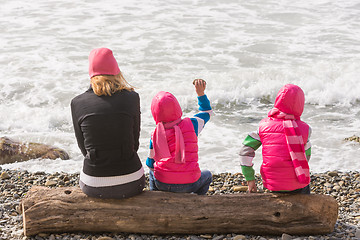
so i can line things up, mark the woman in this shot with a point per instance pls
(106, 121)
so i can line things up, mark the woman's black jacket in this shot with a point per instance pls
(107, 129)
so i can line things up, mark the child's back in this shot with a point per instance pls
(285, 144)
(170, 166)
(173, 158)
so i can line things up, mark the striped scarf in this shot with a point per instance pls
(161, 147)
(295, 144)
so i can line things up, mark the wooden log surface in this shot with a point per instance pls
(69, 210)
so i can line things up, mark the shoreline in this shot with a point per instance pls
(343, 186)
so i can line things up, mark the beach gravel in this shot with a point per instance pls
(343, 186)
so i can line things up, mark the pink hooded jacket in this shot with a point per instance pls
(174, 141)
(277, 169)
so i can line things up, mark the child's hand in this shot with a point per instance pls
(252, 186)
(200, 86)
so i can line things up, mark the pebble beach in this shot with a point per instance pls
(343, 186)
(245, 50)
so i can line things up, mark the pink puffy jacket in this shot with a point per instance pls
(277, 169)
(166, 108)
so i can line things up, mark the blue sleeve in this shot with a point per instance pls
(150, 161)
(204, 103)
(200, 119)
(195, 124)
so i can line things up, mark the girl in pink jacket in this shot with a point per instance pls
(173, 158)
(286, 148)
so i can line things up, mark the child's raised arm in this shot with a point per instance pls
(200, 119)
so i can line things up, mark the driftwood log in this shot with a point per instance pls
(69, 210)
(12, 151)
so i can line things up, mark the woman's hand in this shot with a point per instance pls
(200, 86)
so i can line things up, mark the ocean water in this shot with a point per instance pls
(245, 50)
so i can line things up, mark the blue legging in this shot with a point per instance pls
(199, 187)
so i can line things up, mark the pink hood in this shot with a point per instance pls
(165, 107)
(290, 99)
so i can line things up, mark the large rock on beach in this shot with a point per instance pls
(12, 151)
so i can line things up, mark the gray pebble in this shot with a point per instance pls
(219, 237)
(285, 236)
(357, 233)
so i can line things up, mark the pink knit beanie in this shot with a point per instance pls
(102, 62)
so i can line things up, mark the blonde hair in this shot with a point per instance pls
(109, 84)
